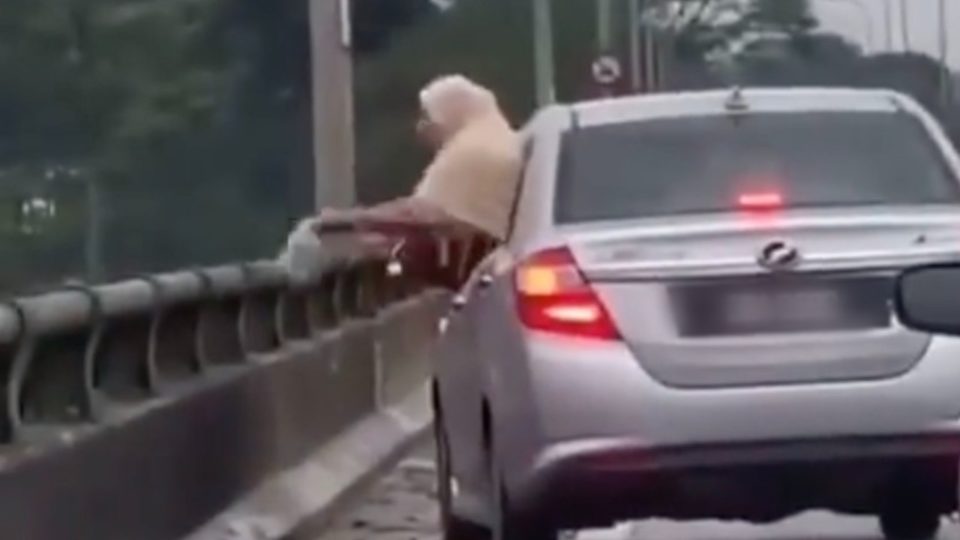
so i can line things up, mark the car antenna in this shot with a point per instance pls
(736, 104)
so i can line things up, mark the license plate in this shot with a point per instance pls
(781, 307)
(753, 311)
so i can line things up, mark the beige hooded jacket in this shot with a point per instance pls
(474, 176)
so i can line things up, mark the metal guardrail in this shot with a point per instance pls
(78, 355)
(71, 355)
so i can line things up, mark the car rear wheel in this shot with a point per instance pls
(453, 527)
(919, 494)
(507, 524)
(908, 523)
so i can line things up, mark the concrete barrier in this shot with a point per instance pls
(405, 336)
(206, 403)
(389, 359)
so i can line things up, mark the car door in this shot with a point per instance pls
(461, 370)
(460, 383)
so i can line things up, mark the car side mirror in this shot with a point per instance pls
(927, 298)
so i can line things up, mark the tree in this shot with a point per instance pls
(792, 17)
(374, 22)
(912, 73)
(487, 40)
(192, 115)
(705, 27)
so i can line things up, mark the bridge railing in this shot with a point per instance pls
(141, 409)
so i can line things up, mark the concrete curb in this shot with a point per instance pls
(307, 495)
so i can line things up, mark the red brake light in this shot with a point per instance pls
(760, 200)
(553, 297)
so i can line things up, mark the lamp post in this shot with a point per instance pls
(93, 243)
(604, 34)
(905, 24)
(93, 229)
(945, 86)
(633, 19)
(643, 57)
(543, 52)
(888, 22)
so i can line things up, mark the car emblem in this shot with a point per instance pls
(778, 255)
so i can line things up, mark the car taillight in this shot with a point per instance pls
(552, 296)
(760, 201)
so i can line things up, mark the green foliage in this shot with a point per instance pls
(487, 40)
(374, 22)
(793, 17)
(192, 116)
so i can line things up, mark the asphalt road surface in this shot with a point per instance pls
(401, 507)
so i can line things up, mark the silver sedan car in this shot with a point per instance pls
(692, 319)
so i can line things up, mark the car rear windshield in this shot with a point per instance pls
(707, 164)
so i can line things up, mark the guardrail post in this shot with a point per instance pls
(203, 299)
(157, 307)
(51, 380)
(258, 332)
(118, 366)
(321, 309)
(292, 314)
(16, 355)
(174, 349)
(218, 331)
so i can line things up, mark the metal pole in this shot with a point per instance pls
(332, 81)
(543, 52)
(93, 241)
(944, 52)
(634, 20)
(93, 235)
(650, 58)
(888, 22)
(604, 34)
(905, 24)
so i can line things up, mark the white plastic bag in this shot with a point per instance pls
(303, 255)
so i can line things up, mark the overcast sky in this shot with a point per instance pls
(850, 17)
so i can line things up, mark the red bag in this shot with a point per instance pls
(431, 246)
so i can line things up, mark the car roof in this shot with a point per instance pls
(715, 102)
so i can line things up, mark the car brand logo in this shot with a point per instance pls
(778, 255)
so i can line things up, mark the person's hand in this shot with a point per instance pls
(379, 229)
(348, 230)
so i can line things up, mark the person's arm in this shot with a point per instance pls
(403, 216)
(415, 226)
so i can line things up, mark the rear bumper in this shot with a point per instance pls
(597, 482)
(576, 392)
(585, 435)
